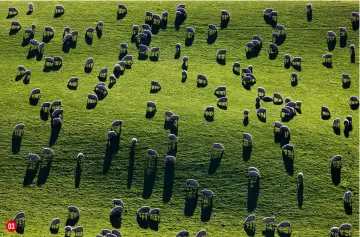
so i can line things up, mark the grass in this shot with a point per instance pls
(86, 130)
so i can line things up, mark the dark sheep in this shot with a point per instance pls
(164, 20)
(352, 53)
(202, 81)
(261, 92)
(148, 18)
(278, 99)
(184, 76)
(224, 19)
(327, 60)
(220, 91)
(267, 99)
(236, 68)
(354, 102)
(355, 20)
(287, 60)
(222, 103)
(325, 113)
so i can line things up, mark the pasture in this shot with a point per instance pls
(85, 131)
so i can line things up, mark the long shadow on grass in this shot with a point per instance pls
(168, 181)
(300, 195)
(131, 166)
(253, 194)
(16, 143)
(247, 150)
(30, 175)
(335, 175)
(149, 182)
(78, 171)
(54, 135)
(44, 173)
(268, 233)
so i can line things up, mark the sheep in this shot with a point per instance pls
(296, 62)
(183, 233)
(275, 37)
(172, 141)
(74, 35)
(336, 123)
(261, 113)
(273, 16)
(191, 189)
(212, 29)
(201, 233)
(170, 159)
(220, 91)
(104, 232)
(19, 130)
(267, 11)
(334, 231)
(41, 48)
(12, 11)
(116, 233)
(273, 49)
(66, 31)
(250, 221)
(347, 197)
(277, 98)
(48, 31)
(100, 25)
(168, 114)
(73, 212)
(288, 150)
(287, 58)
(148, 17)
(282, 226)
(103, 73)
(28, 34)
(280, 29)
(269, 222)
(78, 231)
(336, 161)
(346, 124)
(33, 160)
(122, 9)
(128, 60)
(222, 103)
(59, 9)
(190, 33)
(156, 20)
(55, 223)
(155, 52)
(261, 92)
(327, 58)
(35, 94)
(325, 111)
(67, 38)
(58, 113)
(143, 211)
(247, 139)
(57, 61)
(67, 230)
(116, 126)
(151, 106)
(349, 118)
(15, 25)
(246, 81)
(345, 230)
(346, 79)
(285, 132)
(89, 32)
(209, 111)
(253, 178)
(330, 36)
(236, 68)
(300, 178)
(185, 60)
(174, 119)
(154, 214)
(118, 202)
(353, 101)
(277, 126)
(249, 47)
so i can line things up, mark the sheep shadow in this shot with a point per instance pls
(257, 105)
(309, 16)
(355, 25)
(279, 41)
(354, 106)
(26, 81)
(25, 42)
(142, 57)
(30, 175)
(268, 233)
(131, 166)
(325, 117)
(221, 61)
(58, 14)
(346, 85)
(331, 45)
(72, 221)
(337, 130)
(247, 150)
(28, 13)
(13, 31)
(300, 195)
(88, 40)
(19, 77)
(200, 85)
(15, 143)
(246, 121)
(9, 16)
(163, 24)
(20, 229)
(31, 54)
(142, 222)
(335, 175)
(327, 65)
(297, 68)
(177, 55)
(90, 105)
(33, 101)
(39, 57)
(98, 33)
(190, 206)
(149, 182)
(154, 58)
(261, 119)
(224, 23)
(78, 171)
(214, 164)
(252, 197)
(211, 39)
(47, 69)
(73, 88)
(346, 133)
(288, 164)
(209, 118)
(179, 20)
(153, 224)
(66, 48)
(294, 83)
(122, 55)
(348, 208)
(155, 29)
(252, 54)
(168, 181)
(250, 230)
(150, 114)
(283, 234)
(174, 130)
(206, 213)
(115, 221)
(189, 42)
(343, 41)
(248, 88)
(107, 161)
(46, 39)
(54, 231)
(120, 16)
(44, 173)
(55, 131)
(154, 91)
(87, 69)
(273, 56)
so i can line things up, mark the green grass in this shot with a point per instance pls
(86, 130)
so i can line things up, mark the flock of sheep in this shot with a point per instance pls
(141, 36)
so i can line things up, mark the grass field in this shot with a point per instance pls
(86, 130)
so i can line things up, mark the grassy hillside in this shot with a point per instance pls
(86, 130)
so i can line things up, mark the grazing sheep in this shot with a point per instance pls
(202, 80)
(287, 58)
(201, 233)
(155, 52)
(249, 47)
(66, 31)
(217, 151)
(296, 62)
(185, 63)
(269, 222)
(191, 189)
(104, 232)
(246, 113)
(116, 233)
(143, 211)
(183, 233)
(277, 126)
(222, 103)
(116, 211)
(221, 54)
(247, 139)
(300, 179)
(325, 112)
(336, 161)
(20, 219)
(225, 15)
(254, 178)
(327, 58)
(353, 101)
(346, 79)
(78, 231)
(285, 132)
(123, 48)
(58, 113)
(28, 34)
(261, 113)
(275, 37)
(174, 119)
(48, 31)
(49, 62)
(172, 141)
(284, 226)
(100, 25)
(346, 124)
(110, 235)
(236, 68)
(103, 73)
(57, 61)
(122, 9)
(343, 32)
(170, 159)
(273, 16)
(280, 29)
(89, 63)
(73, 82)
(212, 30)
(89, 32)
(55, 223)
(154, 214)
(12, 11)
(116, 126)
(330, 36)
(67, 39)
(348, 197)
(118, 202)
(74, 35)
(345, 230)
(148, 17)
(34, 44)
(73, 211)
(35, 94)
(59, 9)
(334, 232)
(209, 111)
(15, 25)
(261, 92)
(168, 114)
(267, 11)
(156, 20)
(336, 123)
(273, 49)
(220, 91)
(128, 60)
(250, 221)
(190, 33)
(207, 198)
(349, 118)
(19, 130)
(288, 150)
(150, 106)
(33, 160)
